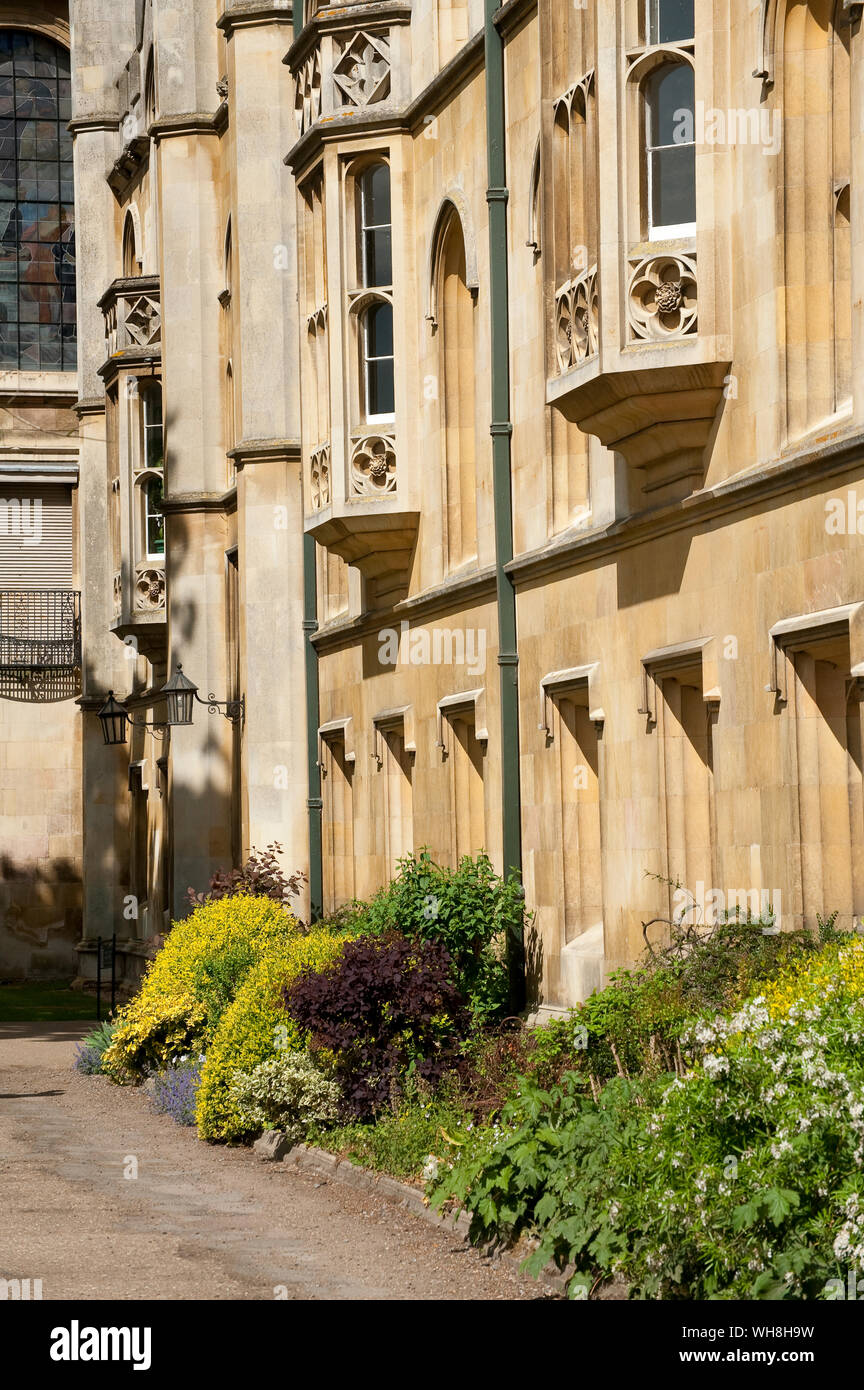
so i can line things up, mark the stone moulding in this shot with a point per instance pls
(661, 297)
(808, 629)
(577, 320)
(667, 661)
(454, 704)
(319, 476)
(559, 682)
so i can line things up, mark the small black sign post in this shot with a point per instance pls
(105, 951)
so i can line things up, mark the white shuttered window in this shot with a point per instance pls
(35, 535)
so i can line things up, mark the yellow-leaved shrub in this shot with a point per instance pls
(154, 1029)
(193, 979)
(255, 1028)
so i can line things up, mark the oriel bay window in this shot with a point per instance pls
(372, 301)
(670, 150)
(151, 464)
(378, 377)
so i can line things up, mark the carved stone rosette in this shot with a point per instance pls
(319, 476)
(373, 466)
(577, 320)
(150, 589)
(662, 301)
(362, 74)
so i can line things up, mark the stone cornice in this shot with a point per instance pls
(187, 123)
(184, 502)
(789, 473)
(365, 16)
(444, 598)
(80, 124)
(265, 451)
(253, 13)
(131, 359)
(89, 405)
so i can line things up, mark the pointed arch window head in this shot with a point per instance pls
(154, 521)
(669, 21)
(378, 363)
(375, 239)
(669, 97)
(131, 259)
(37, 217)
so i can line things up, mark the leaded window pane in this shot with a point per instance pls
(37, 220)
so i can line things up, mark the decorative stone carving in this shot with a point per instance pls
(577, 319)
(118, 594)
(143, 321)
(319, 474)
(316, 322)
(373, 465)
(307, 99)
(149, 590)
(362, 74)
(662, 297)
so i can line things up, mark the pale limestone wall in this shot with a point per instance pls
(689, 508)
(40, 741)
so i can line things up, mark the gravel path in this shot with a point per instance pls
(198, 1221)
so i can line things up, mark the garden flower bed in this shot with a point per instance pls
(694, 1130)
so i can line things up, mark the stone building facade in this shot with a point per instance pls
(40, 729)
(474, 392)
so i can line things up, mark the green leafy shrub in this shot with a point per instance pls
(288, 1092)
(469, 910)
(255, 1027)
(406, 1144)
(743, 1178)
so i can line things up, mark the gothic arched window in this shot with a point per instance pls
(37, 216)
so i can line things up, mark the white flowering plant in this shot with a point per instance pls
(289, 1092)
(740, 1177)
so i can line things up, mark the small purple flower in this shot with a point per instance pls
(175, 1091)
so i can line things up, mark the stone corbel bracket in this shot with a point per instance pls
(665, 661)
(388, 718)
(343, 727)
(795, 633)
(454, 704)
(558, 682)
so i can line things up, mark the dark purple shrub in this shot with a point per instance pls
(387, 1007)
(175, 1090)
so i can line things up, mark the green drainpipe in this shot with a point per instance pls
(497, 195)
(314, 801)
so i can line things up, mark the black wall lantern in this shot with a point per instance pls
(179, 694)
(114, 720)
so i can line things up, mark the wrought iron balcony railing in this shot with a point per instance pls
(40, 629)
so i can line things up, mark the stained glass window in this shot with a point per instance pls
(37, 215)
